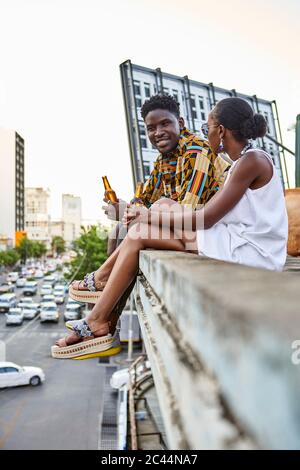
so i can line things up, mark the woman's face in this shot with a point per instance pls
(213, 136)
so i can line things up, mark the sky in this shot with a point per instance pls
(60, 84)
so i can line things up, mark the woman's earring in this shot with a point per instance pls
(221, 147)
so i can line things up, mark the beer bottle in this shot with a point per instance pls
(137, 200)
(109, 192)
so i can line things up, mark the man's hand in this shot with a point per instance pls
(115, 211)
(134, 214)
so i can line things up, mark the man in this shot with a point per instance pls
(186, 170)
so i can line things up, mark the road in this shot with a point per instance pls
(63, 412)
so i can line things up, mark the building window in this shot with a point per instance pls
(146, 170)
(143, 135)
(147, 90)
(203, 116)
(201, 102)
(193, 107)
(175, 94)
(166, 91)
(267, 119)
(137, 88)
(137, 92)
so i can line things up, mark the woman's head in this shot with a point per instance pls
(234, 119)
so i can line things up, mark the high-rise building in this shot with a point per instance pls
(71, 216)
(12, 210)
(37, 215)
(196, 99)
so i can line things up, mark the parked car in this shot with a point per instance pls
(12, 375)
(7, 301)
(7, 288)
(49, 312)
(72, 312)
(29, 313)
(14, 316)
(30, 288)
(119, 378)
(12, 277)
(47, 298)
(21, 282)
(46, 289)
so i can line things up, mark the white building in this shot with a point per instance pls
(56, 228)
(37, 216)
(71, 217)
(11, 185)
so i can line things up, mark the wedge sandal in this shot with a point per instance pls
(87, 347)
(89, 292)
(115, 348)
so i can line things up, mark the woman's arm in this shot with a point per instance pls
(247, 170)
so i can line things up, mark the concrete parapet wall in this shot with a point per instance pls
(219, 337)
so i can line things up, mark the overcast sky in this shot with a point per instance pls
(60, 82)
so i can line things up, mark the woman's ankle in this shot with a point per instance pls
(99, 328)
(101, 275)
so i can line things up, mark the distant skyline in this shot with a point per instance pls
(60, 83)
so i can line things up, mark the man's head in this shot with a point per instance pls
(163, 122)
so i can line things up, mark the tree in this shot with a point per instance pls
(9, 257)
(58, 245)
(91, 248)
(39, 249)
(31, 249)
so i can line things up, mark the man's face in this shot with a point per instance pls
(163, 129)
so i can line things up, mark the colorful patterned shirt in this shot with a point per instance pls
(190, 175)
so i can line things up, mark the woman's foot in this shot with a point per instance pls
(89, 289)
(92, 281)
(84, 342)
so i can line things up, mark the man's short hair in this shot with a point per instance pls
(160, 102)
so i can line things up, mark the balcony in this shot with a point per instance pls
(220, 340)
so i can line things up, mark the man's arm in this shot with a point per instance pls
(150, 186)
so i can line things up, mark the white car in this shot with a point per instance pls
(30, 288)
(74, 302)
(21, 281)
(47, 298)
(38, 274)
(119, 378)
(49, 312)
(12, 375)
(7, 301)
(29, 313)
(50, 279)
(59, 294)
(25, 302)
(46, 289)
(12, 277)
(14, 316)
(72, 312)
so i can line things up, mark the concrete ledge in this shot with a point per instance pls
(219, 338)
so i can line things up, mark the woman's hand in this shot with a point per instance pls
(135, 214)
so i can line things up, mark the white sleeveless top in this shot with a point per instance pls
(254, 232)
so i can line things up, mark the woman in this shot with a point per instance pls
(245, 222)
